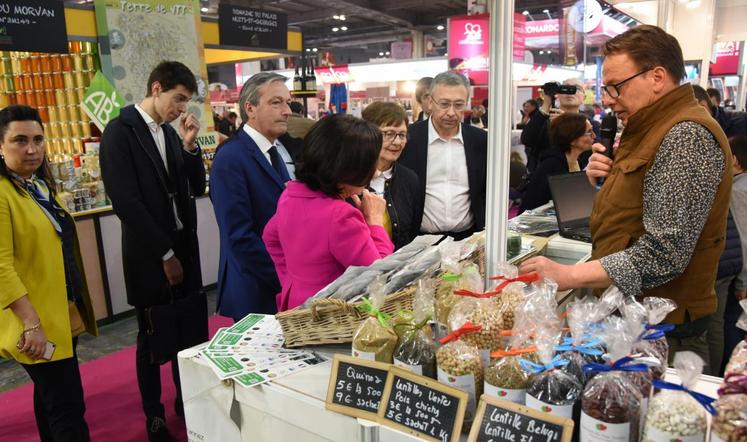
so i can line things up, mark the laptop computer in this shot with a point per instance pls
(574, 198)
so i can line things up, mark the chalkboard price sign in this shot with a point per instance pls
(33, 25)
(422, 407)
(497, 420)
(356, 386)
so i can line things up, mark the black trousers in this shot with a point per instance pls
(149, 374)
(59, 407)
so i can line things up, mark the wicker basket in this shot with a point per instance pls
(333, 321)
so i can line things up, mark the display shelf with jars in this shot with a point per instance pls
(55, 84)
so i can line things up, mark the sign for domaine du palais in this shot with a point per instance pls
(255, 28)
(33, 25)
(422, 406)
(497, 420)
(356, 386)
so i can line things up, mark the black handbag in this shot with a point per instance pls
(178, 325)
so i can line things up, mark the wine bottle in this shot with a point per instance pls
(303, 75)
(311, 81)
(297, 80)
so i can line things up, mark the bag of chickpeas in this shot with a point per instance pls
(479, 309)
(459, 365)
(677, 412)
(511, 291)
(374, 339)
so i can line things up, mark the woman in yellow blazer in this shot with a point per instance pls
(43, 294)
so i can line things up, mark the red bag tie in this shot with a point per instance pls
(527, 277)
(463, 292)
(466, 328)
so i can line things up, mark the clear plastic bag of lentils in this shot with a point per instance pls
(580, 347)
(730, 422)
(676, 415)
(459, 365)
(611, 403)
(374, 339)
(505, 378)
(416, 349)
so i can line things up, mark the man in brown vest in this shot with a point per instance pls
(659, 220)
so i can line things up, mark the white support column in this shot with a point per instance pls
(694, 29)
(418, 44)
(499, 135)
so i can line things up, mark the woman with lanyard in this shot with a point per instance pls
(44, 302)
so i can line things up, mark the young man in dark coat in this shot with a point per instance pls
(152, 175)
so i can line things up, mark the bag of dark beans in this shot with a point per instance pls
(549, 389)
(580, 347)
(374, 339)
(459, 366)
(611, 403)
(676, 412)
(652, 342)
(416, 350)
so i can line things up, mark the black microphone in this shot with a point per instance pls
(607, 135)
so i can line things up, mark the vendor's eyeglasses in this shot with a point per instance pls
(613, 90)
(390, 136)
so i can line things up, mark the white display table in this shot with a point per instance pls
(289, 409)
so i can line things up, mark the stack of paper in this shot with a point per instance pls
(251, 352)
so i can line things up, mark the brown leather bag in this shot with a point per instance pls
(76, 321)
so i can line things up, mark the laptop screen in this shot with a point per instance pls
(573, 197)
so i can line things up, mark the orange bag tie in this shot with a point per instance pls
(513, 352)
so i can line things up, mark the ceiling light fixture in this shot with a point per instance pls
(204, 9)
(342, 17)
(440, 27)
(335, 29)
(542, 52)
(336, 17)
(315, 50)
(525, 12)
(308, 49)
(693, 4)
(344, 28)
(381, 54)
(388, 53)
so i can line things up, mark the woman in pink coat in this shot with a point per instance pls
(315, 234)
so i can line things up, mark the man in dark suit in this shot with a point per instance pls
(152, 175)
(248, 175)
(450, 159)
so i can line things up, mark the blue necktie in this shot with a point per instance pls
(278, 164)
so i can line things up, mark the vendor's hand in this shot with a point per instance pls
(740, 295)
(372, 206)
(600, 165)
(547, 268)
(172, 267)
(33, 343)
(189, 126)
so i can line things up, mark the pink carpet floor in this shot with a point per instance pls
(113, 409)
